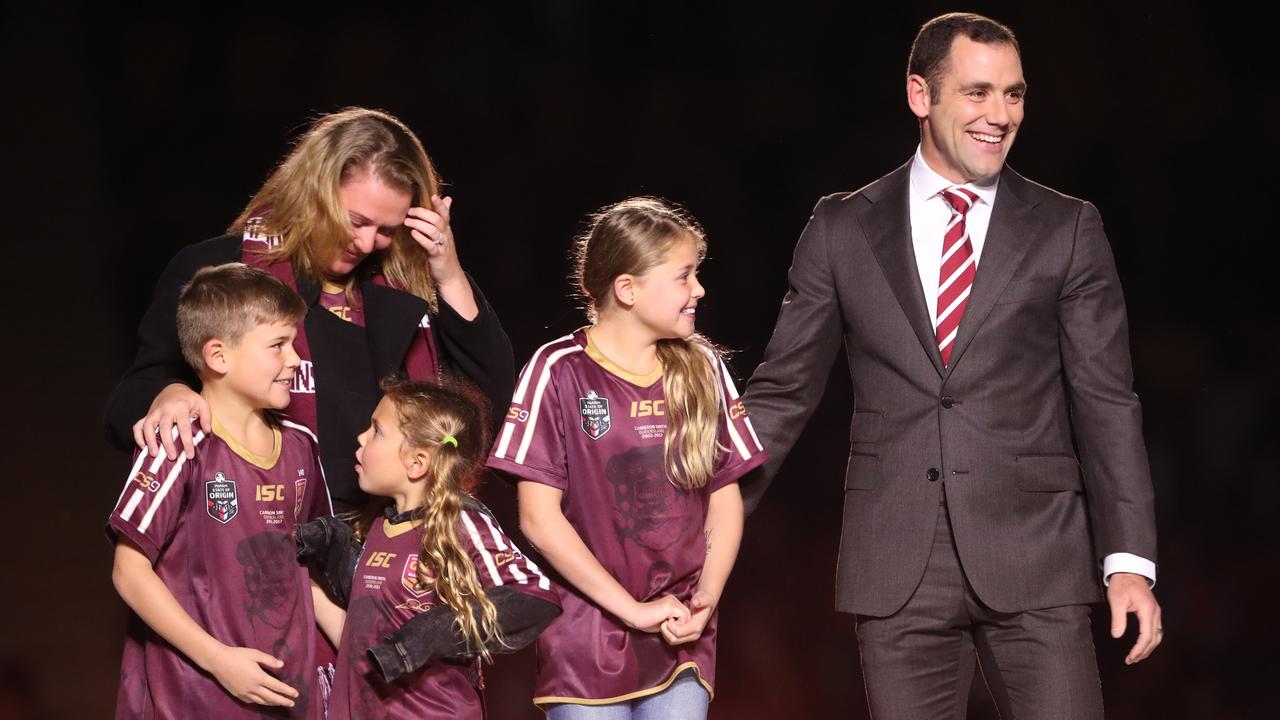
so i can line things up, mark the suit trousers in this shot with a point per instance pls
(918, 663)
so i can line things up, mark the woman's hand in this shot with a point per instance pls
(174, 406)
(430, 228)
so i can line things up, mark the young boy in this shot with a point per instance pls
(204, 546)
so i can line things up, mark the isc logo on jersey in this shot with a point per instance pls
(220, 497)
(409, 577)
(595, 415)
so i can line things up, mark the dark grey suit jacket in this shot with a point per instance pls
(1033, 430)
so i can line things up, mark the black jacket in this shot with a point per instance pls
(477, 350)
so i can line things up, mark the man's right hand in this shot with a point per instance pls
(239, 670)
(174, 406)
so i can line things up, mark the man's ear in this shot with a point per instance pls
(416, 463)
(624, 290)
(216, 356)
(918, 96)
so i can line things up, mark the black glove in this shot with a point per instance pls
(433, 635)
(328, 548)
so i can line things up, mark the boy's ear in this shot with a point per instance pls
(215, 356)
(416, 463)
(624, 290)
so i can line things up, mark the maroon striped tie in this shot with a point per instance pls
(958, 268)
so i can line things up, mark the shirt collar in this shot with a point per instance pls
(395, 518)
(926, 183)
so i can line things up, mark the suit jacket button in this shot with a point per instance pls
(948, 402)
(932, 475)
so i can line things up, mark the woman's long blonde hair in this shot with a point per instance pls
(427, 414)
(299, 202)
(632, 237)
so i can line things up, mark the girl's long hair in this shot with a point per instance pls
(632, 237)
(299, 203)
(428, 413)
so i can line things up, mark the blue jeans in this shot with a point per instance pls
(684, 699)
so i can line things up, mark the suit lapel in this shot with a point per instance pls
(887, 225)
(1009, 235)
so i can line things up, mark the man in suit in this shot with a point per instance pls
(997, 479)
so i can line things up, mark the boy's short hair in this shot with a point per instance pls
(227, 301)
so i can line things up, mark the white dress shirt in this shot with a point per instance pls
(930, 215)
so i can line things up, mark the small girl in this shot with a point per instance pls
(627, 438)
(430, 583)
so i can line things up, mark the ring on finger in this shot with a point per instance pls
(440, 240)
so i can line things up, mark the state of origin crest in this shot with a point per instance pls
(221, 500)
(595, 415)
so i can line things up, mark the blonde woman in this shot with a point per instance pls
(354, 221)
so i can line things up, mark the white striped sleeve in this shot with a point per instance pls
(743, 451)
(734, 415)
(531, 442)
(485, 555)
(523, 570)
(149, 508)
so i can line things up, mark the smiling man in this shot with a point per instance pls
(998, 481)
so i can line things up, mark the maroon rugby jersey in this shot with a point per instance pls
(581, 424)
(385, 595)
(219, 531)
(333, 297)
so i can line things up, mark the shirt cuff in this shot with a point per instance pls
(1130, 563)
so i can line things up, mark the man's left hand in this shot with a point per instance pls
(1131, 593)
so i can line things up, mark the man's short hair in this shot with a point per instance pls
(932, 47)
(228, 301)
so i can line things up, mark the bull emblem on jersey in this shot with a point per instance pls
(595, 415)
(409, 578)
(220, 497)
(299, 491)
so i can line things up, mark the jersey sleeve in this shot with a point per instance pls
(498, 562)
(740, 449)
(531, 443)
(150, 506)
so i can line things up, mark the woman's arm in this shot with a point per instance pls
(546, 527)
(465, 326)
(480, 349)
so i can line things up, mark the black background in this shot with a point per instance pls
(129, 133)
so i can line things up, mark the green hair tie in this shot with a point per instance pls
(449, 440)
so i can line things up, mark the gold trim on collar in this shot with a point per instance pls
(392, 531)
(331, 288)
(614, 368)
(266, 462)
